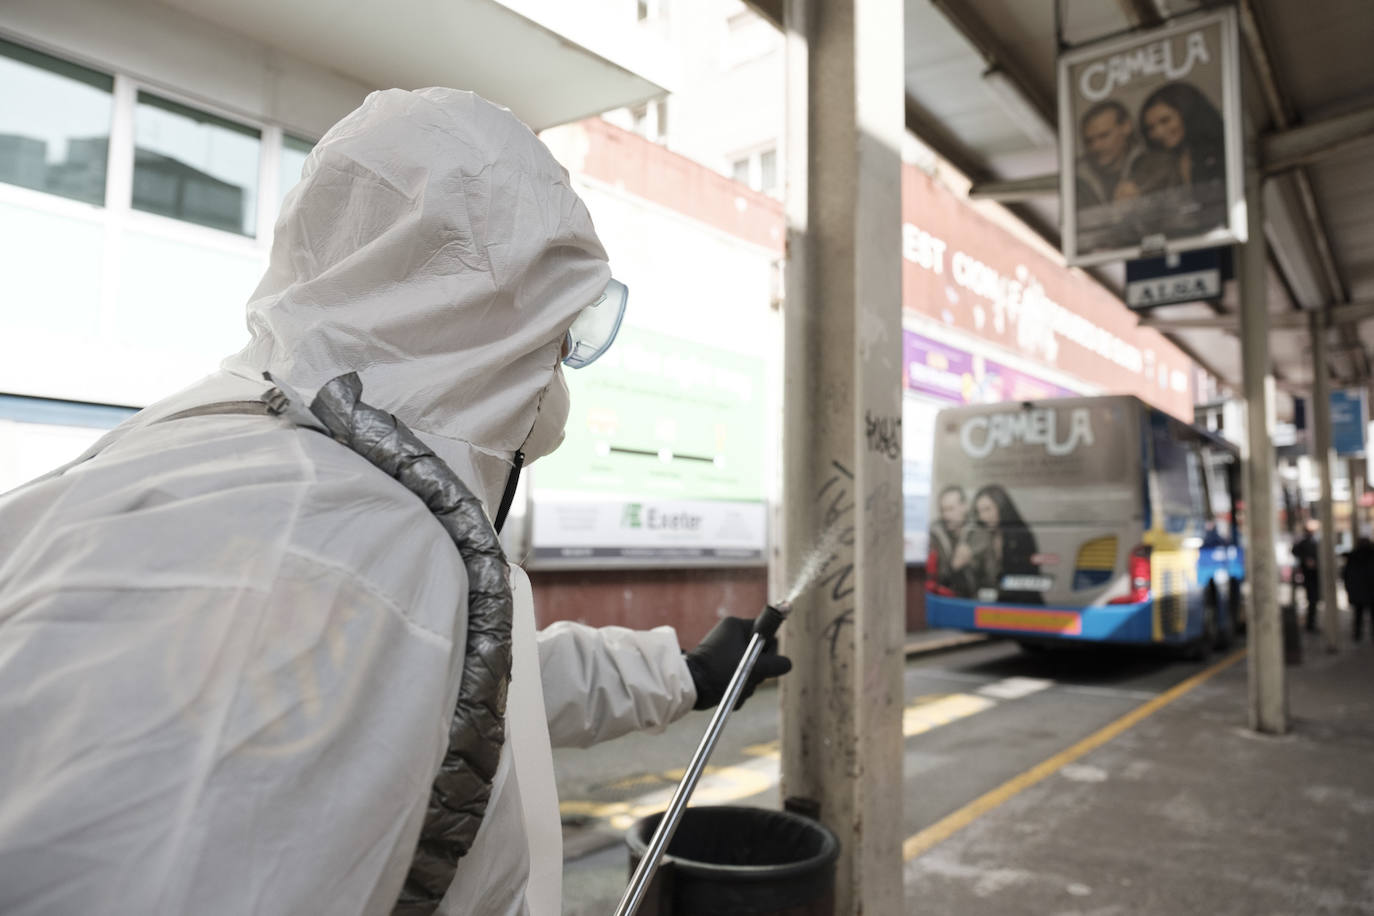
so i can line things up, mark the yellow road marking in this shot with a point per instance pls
(941, 830)
(718, 785)
(766, 749)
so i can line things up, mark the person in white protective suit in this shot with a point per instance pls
(230, 645)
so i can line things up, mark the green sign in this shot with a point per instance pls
(661, 417)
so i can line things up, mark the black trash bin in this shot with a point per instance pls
(1292, 635)
(727, 860)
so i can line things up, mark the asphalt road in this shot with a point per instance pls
(975, 718)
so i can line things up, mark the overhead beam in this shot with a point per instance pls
(1287, 321)
(1283, 151)
(995, 54)
(1143, 14)
(1296, 146)
(1278, 111)
(1016, 189)
(940, 139)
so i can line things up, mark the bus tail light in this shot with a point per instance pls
(933, 574)
(1139, 567)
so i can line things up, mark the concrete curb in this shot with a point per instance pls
(916, 647)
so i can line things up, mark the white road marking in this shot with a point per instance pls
(923, 717)
(1014, 688)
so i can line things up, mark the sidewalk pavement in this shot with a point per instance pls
(1185, 811)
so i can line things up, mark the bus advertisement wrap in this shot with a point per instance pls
(936, 375)
(1149, 135)
(663, 461)
(1030, 503)
(1095, 518)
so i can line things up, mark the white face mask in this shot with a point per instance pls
(550, 419)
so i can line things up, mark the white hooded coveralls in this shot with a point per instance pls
(229, 646)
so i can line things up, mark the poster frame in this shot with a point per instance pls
(1232, 126)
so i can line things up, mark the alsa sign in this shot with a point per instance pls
(1192, 276)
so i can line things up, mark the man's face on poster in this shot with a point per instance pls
(953, 510)
(1106, 136)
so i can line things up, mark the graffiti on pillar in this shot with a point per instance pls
(836, 501)
(884, 435)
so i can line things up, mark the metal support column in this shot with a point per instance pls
(842, 415)
(1321, 454)
(1268, 691)
(1358, 470)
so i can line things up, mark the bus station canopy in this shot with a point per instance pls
(980, 82)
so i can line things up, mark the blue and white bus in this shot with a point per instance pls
(1097, 519)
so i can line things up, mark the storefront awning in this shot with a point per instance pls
(539, 59)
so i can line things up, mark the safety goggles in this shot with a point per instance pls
(595, 327)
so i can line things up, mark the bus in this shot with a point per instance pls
(1073, 520)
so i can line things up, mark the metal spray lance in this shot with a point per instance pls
(765, 628)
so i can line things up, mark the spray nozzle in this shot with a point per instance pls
(772, 617)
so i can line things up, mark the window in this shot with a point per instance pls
(643, 10)
(768, 170)
(661, 113)
(293, 153)
(1220, 479)
(1179, 494)
(54, 124)
(758, 170)
(195, 166)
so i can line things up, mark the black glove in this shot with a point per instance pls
(714, 660)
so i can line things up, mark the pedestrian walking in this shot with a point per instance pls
(1359, 585)
(1305, 552)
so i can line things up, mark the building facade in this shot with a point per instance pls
(146, 148)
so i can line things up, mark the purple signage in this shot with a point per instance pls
(961, 377)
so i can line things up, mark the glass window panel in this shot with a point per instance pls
(54, 124)
(740, 171)
(194, 166)
(768, 170)
(293, 153)
(662, 110)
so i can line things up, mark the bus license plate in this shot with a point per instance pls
(1027, 583)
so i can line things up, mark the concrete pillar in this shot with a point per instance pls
(842, 414)
(1268, 690)
(1321, 454)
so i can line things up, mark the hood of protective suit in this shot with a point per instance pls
(435, 247)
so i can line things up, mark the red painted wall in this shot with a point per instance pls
(689, 600)
(960, 243)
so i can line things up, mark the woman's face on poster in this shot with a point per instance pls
(988, 515)
(1164, 125)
